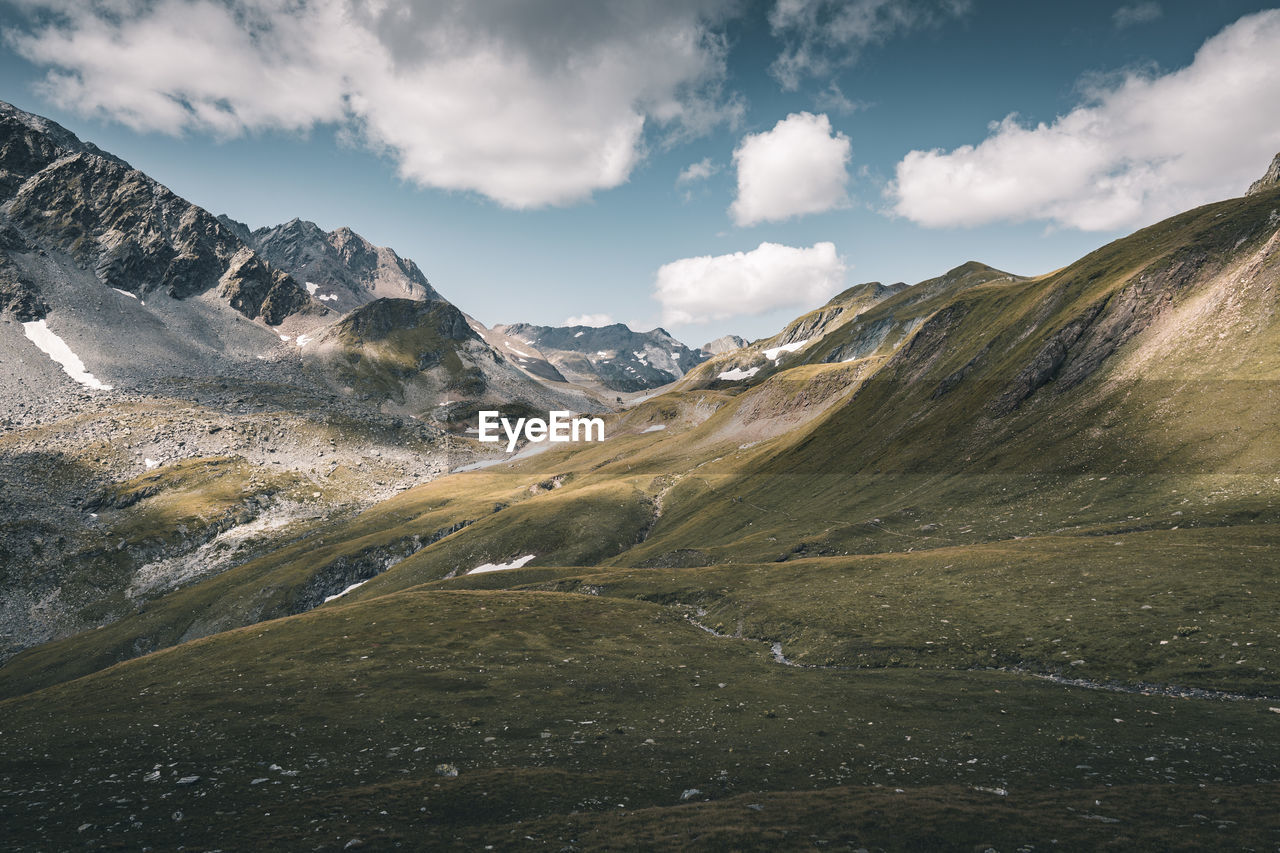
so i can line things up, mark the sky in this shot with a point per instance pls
(708, 166)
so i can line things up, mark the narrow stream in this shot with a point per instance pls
(1139, 688)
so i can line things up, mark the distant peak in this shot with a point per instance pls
(294, 230)
(343, 235)
(1268, 181)
(970, 267)
(723, 344)
(850, 292)
(297, 224)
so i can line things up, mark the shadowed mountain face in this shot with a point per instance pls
(987, 561)
(610, 357)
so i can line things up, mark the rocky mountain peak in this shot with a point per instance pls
(1268, 181)
(30, 142)
(613, 357)
(235, 227)
(339, 267)
(723, 344)
(91, 211)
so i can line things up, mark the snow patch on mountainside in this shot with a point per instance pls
(738, 373)
(497, 567)
(773, 352)
(355, 585)
(312, 287)
(56, 348)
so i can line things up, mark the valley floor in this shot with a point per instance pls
(527, 718)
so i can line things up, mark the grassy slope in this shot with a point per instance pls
(559, 709)
(1140, 607)
(900, 453)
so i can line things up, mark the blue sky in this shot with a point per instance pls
(528, 155)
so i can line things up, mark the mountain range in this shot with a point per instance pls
(986, 561)
(613, 358)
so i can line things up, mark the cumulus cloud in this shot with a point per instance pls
(698, 171)
(799, 167)
(697, 290)
(822, 36)
(594, 320)
(528, 103)
(1136, 13)
(1141, 147)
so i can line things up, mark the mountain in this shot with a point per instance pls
(747, 360)
(982, 562)
(339, 268)
(175, 401)
(97, 212)
(103, 255)
(723, 344)
(422, 357)
(609, 357)
(157, 427)
(523, 355)
(109, 256)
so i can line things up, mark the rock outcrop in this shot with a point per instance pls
(1270, 180)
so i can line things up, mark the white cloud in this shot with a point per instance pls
(822, 36)
(798, 167)
(1137, 150)
(697, 290)
(1136, 13)
(595, 320)
(698, 171)
(528, 103)
(833, 99)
